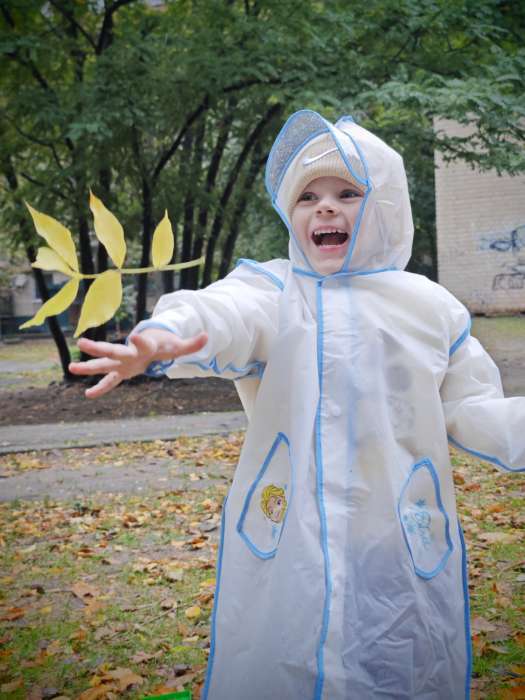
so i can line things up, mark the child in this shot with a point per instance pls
(355, 375)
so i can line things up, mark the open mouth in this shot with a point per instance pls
(330, 237)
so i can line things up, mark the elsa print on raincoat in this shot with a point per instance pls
(342, 567)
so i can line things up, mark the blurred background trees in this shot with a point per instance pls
(175, 105)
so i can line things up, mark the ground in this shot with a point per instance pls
(30, 383)
(109, 593)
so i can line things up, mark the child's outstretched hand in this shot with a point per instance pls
(118, 362)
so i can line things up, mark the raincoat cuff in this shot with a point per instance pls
(157, 368)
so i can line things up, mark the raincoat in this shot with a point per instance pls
(342, 566)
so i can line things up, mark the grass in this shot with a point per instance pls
(135, 603)
(503, 326)
(103, 583)
(29, 350)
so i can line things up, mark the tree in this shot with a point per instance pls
(177, 109)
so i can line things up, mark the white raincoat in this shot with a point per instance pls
(342, 567)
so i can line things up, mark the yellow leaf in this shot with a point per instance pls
(163, 243)
(102, 300)
(57, 236)
(58, 303)
(193, 613)
(49, 259)
(109, 231)
(100, 691)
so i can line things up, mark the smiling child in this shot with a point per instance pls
(342, 566)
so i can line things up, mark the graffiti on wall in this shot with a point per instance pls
(513, 278)
(513, 242)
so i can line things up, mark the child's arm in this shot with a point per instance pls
(225, 329)
(239, 314)
(118, 362)
(479, 419)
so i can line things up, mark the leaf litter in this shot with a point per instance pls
(111, 596)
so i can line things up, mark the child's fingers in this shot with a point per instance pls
(190, 345)
(109, 382)
(102, 365)
(94, 348)
(142, 343)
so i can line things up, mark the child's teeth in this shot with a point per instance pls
(328, 238)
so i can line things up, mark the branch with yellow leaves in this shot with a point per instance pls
(105, 294)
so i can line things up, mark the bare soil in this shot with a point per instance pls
(137, 398)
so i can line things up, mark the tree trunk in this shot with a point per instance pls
(240, 207)
(218, 221)
(52, 322)
(100, 332)
(211, 177)
(190, 276)
(54, 326)
(147, 229)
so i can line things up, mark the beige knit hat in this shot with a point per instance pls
(319, 158)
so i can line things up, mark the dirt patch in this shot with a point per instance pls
(135, 399)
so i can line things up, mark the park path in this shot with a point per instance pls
(144, 475)
(26, 438)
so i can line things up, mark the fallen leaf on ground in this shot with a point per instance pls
(515, 693)
(84, 590)
(12, 614)
(497, 537)
(12, 686)
(125, 678)
(141, 657)
(193, 613)
(99, 691)
(480, 624)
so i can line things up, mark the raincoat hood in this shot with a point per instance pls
(383, 232)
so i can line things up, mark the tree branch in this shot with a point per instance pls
(166, 156)
(107, 25)
(39, 142)
(71, 19)
(44, 185)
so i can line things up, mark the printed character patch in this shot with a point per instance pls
(268, 500)
(273, 503)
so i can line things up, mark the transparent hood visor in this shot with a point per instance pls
(300, 129)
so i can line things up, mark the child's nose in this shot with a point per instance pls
(327, 204)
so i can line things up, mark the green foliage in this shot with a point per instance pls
(182, 105)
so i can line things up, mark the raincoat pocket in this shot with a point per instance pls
(424, 521)
(268, 500)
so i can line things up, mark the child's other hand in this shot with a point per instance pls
(118, 362)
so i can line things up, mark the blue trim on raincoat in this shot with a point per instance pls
(466, 611)
(427, 464)
(488, 458)
(320, 499)
(457, 344)
(261, 270)
(213, 632)
(281, 437)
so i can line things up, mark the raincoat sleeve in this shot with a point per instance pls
(240, 315)
(479, 419)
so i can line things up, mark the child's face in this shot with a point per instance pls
(323, 220)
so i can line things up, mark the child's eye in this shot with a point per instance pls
(306, 197)
(350, 194)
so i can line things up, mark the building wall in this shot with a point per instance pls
(480, 234)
